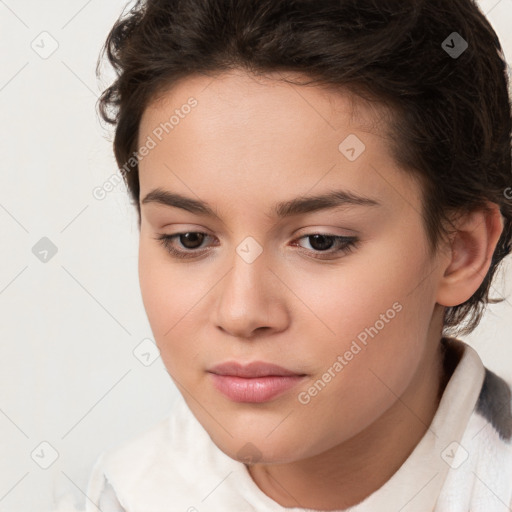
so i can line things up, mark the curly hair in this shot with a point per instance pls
(451, 113)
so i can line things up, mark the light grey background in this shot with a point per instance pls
(69, 327)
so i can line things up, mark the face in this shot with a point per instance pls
(338, 292)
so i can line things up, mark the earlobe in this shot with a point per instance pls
(472, 246)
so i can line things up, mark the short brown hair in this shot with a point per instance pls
(451, 126)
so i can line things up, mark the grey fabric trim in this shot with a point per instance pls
(495, 403)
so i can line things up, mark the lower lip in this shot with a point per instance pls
(257, 389)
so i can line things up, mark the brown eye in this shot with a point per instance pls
(191, 240)
(323, 245)
(321, 242)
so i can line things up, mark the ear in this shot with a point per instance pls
(469, 257)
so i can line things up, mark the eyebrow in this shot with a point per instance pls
(296, 206)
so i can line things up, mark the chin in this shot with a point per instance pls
(258, 449)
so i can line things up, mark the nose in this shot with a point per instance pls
(251, 299)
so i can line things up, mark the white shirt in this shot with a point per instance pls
(462, 463)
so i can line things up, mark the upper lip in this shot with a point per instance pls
(253, 369)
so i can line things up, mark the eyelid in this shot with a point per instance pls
(326, 231)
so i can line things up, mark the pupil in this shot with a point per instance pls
(321, 246)
(185, 238)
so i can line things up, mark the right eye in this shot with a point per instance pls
(191, 240)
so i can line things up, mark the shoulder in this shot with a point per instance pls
(484, 471)
(488, 394)
(124, 466)
(480, 472)
(174, 461)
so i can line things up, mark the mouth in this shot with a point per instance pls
(254, 383)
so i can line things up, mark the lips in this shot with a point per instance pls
(251, 370)
(254, 382)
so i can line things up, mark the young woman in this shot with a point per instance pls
(324, 197)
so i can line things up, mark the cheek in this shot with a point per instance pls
(167, 298)
(373, 360)
(346, 300)
(378, 317)
(157, 294)
(167, 291)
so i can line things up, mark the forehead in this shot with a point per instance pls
(264, 134)
(249, 93)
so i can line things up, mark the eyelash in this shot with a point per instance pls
(348, 244)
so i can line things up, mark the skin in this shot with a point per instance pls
(248, 144)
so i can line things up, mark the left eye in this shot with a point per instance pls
(320, 243)
(323, 243)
